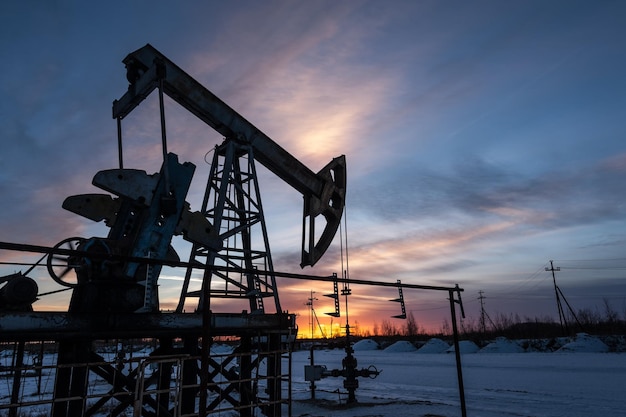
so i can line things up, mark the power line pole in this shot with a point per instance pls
(483, 313)
(559, 294)
(311, 312)
(559, 306)
(481, 297)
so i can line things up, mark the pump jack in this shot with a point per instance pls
(114, 284)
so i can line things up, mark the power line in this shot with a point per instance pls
(591, 260)
(521, 285)
(595, 268)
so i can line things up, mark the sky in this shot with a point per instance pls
(483, 139)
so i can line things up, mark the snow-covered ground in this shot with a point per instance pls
(567, 383)
(579, 379)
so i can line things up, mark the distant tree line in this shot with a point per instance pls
(604, 321)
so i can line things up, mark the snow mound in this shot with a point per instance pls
(144, 351)
(219, 349)
(585, 343)
(465, 346)
(401, 346)
(544, 345)
(434, 345)
(365, 344)
(502, 345)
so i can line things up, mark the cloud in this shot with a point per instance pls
(482, 191)
(477, 139)
(305, 86)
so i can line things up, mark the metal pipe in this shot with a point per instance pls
(166, 171)
(459, 372)
(331, 278)
(119, 142)
(17, 378)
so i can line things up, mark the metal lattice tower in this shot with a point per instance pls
(232, 203)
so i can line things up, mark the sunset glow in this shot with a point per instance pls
(483, 139)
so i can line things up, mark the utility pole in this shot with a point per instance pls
(481, 297)
(559, 294)
(311, 312)
(483, 313)
(562, 319)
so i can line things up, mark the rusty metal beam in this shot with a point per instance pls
(35, 326)
(324, 192)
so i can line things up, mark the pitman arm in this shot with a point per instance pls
(324, 192)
